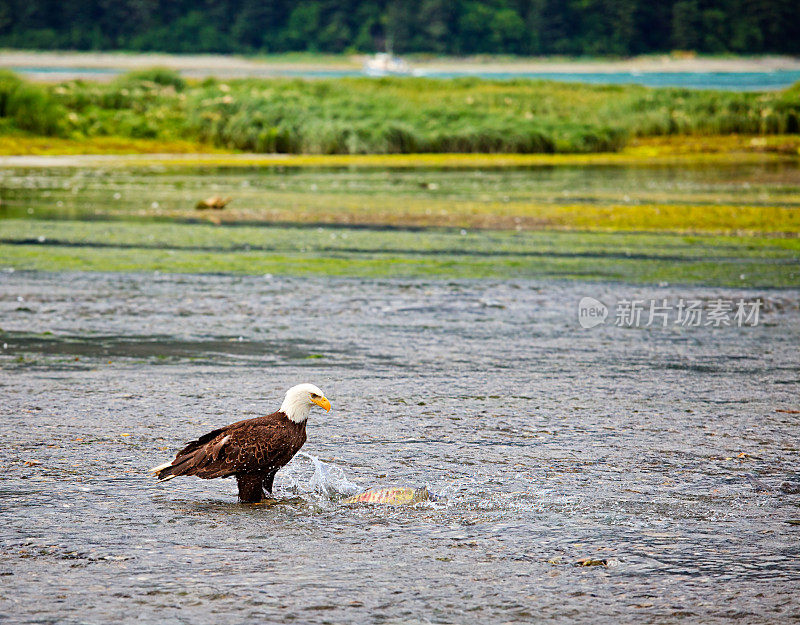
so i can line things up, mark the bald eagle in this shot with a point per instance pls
(253, 450)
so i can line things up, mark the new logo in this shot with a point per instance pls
(591, 312)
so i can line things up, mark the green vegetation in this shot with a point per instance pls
(358, 116)
(28, 107)
(439, 26)
(638, 258)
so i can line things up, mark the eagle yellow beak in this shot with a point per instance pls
(322, 402)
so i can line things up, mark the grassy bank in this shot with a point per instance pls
(635, 258)
(671, 149)
(16, 144)
(408, 115)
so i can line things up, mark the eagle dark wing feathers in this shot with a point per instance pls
(205, 438)
(258, 446)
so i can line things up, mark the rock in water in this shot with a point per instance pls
(392, 496)
(215, 201)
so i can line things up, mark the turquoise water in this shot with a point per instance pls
(733, 81)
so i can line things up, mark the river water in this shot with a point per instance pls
(658, 450)
(726, 80)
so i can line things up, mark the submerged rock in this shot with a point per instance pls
(592, 562)
(392, 496)
(215, 201)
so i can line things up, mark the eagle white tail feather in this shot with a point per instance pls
(161, 467)
(166, 479)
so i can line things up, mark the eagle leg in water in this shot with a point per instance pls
(250, 489)
(268, 482)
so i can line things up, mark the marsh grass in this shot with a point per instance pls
(645, 151)
(16, 144)
(29, 107)
(390, 115)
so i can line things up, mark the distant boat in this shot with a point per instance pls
(385, 64)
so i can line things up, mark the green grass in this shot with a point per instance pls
(390, 115)
(635, 258)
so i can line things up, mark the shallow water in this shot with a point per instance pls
(726, 81)
(658, 450)
(258, 193)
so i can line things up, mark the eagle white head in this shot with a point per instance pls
(300, 399)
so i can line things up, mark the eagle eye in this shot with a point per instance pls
(314, 396)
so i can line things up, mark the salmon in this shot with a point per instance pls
(392, 496)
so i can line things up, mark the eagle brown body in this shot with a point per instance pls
(252, 450)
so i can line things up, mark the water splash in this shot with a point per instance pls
(328, 480)
(330, 484)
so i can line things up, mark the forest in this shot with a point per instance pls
(461, 27)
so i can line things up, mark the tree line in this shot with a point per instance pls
(457, 27)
